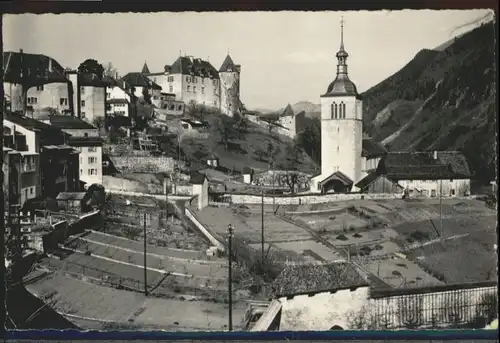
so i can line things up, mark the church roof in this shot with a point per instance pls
(341, 86)
(145, 69)
(372, 149)
(228, 65)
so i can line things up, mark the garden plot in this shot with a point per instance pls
(401, 273)
(275, 229)
(183, 268)
(311, 250)
(331, 223)
(465, 259)
(93, 267)
(139, 246)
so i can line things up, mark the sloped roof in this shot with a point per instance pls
(92, 80)
(338, 175)
(39, 69)
(196, 66)
(369, 179)
(311, 279)
(145, 69)
(70, 123)
(140, 80)
(63, 196)
(26, 122)
(341, 86)
(372, 149)
(117, 101)
(288, 111)
(423, 166)
(197, 179)
(227, 65)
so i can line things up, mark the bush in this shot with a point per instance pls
(342, 238)
(357, 235)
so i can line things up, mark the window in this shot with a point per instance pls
(171, 89)
(83, 103)
(83, 114)
(108, 95)
(92, 149)
(180, 108)
(188, 79)
(334, 111)
(189, 88)
(92, 171)
(82, 90)
(194, 89)
(32, 190)
(342, 111)
(170, 79)
(202, 80)
(202, 90)
(63, 101)
(39, 88)
(215, 82)
(452, 192)
(433, 193)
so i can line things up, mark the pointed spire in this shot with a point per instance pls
(342, 54)
(341, 33)
(145, 69)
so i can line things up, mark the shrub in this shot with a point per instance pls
(342, 238)
(357, 235)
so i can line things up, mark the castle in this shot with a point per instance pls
(194, 79)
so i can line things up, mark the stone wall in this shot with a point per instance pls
(305, 198)
(143, 164)
(189, 212)
(357, 309)
(321, 311)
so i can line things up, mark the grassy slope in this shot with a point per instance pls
(241, 152)
(460, 115)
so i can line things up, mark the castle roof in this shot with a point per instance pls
(192, 66)
(145, 69)
(288, 111)
(228, 65)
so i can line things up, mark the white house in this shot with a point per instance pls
(200, 187)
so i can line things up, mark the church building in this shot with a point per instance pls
(341, 132)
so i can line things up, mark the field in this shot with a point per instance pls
(404, 243)
(112, 308)
(247, 224)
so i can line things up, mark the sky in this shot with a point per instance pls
(285, 57)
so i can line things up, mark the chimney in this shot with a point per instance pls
(50, 65)
(435, 155)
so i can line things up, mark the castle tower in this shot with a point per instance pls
(145, 69)
(229, 74)
(341, 128)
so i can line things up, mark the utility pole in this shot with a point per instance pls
(230, 281)
(145, 219)
(167, 184)
(441, 207)
(262, 227)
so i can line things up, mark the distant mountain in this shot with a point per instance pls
(442, 99)
(306, 106)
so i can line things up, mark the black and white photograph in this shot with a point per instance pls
(250, 171)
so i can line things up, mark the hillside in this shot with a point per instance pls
(443, 100)
(246, 149)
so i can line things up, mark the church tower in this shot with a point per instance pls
(341, 125)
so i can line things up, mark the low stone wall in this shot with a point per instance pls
(305, 199)
(143, 164)
(214, 241)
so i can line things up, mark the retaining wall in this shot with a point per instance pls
(209, 235)
(305, 199)
(143, 164)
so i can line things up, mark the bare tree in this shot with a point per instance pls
(362, 319)
(226, 130)
(410, 311)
